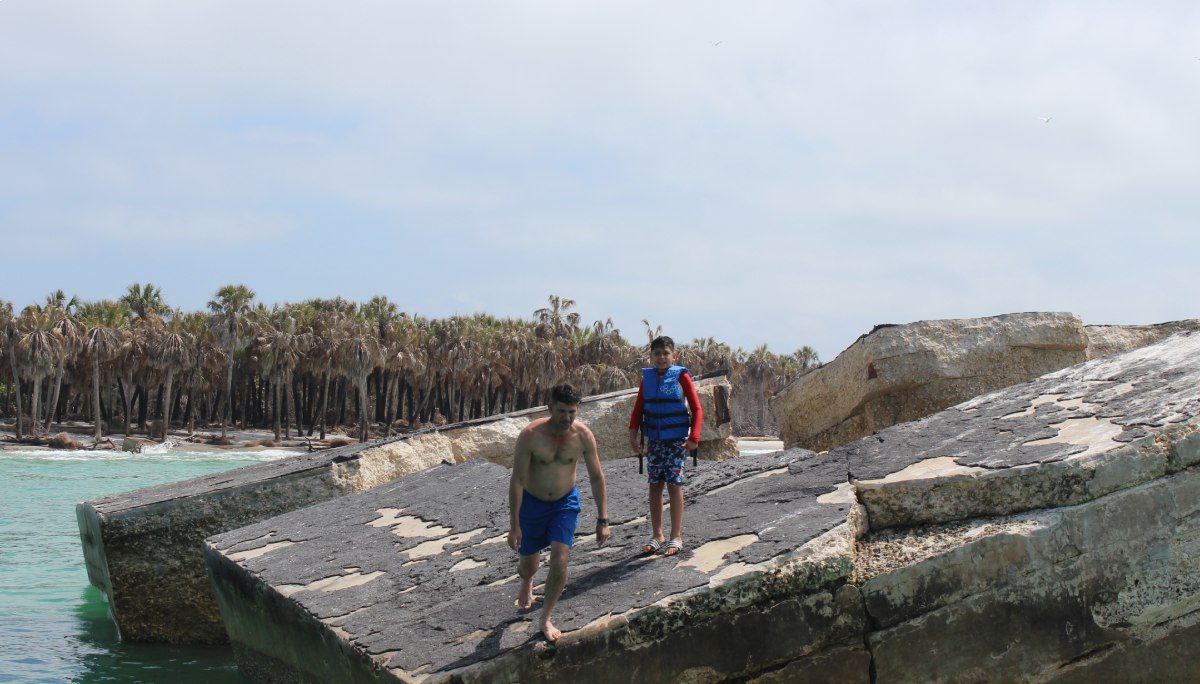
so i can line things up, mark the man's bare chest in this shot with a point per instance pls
(557, 452)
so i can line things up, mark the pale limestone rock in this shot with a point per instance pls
(1105, 340)
(900, 373)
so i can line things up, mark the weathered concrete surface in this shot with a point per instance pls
(1079, 593)
(1106, 340)
(414, 579)
(1076, 555)
(143, 548)
(1046, 532)
(900, 373)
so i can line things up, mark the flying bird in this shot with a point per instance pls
(1046, 119)
(716, 43)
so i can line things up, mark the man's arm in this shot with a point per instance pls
(591, 458)
(516, 487)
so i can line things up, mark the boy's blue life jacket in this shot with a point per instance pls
(664, 412)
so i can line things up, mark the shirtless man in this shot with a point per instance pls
(543, 502)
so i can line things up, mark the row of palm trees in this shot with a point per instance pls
(316, 365)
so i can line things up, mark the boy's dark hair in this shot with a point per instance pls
(662, 342)
(564, 394)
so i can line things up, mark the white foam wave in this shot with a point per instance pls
(150, 454)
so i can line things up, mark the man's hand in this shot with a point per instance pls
(691, 446)
(514, 538)
(602, 534)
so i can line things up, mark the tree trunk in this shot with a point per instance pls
(228, 397)
(166, 405)
(52, 405)
(96, 429)
(363, 417)
(341, 392)
(290, 388)
(12, 362)
(143, 407)
(190, 416)
(324, 403)
(34, 418)
(275, 410)
(126, 398)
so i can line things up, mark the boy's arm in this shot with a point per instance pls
(693, 402)
(516, 487)
(635, 422)
(591, 458)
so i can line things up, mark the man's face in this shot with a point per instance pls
(562, 415)
(662, 358)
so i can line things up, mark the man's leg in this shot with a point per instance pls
(528, 565)
(560, 555)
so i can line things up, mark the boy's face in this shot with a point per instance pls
(662, 358)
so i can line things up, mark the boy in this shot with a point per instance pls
(665, 398)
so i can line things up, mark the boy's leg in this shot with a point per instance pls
(656, 510)
(525, 569)
(676, 494)
(560, 555)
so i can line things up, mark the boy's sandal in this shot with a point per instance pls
(651, 547)
(673, 547)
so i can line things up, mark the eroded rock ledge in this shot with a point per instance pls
(1046, 532)
(143, 548)
(900, 373)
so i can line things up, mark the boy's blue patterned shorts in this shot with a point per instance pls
(664, 461)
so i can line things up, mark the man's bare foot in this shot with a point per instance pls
(550, 631)
(525, 597)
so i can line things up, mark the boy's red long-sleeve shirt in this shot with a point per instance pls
(693, 402)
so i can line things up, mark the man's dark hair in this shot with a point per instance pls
(662, 342)
(564, 394)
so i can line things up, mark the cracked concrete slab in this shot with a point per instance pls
(1062, 439)
(142, 548)
(990, 542)
(456, 609)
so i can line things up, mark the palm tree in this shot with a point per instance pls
(228, 320)
(283, 344)
(358, 355)
(145, 301)
(558, 319)
(38, 348)
(66, 322)
(103, 324)
(207, 360)
(9, 329)
(172, 354)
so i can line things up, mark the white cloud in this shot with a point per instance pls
(824, 168)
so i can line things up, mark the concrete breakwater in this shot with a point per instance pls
(1044, 532)
(143, 548)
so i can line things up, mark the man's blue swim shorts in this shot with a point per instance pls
(545, 521)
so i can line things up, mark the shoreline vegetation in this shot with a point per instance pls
(327, 367)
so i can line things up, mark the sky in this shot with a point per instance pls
(789, 173)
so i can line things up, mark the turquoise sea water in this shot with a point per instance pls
(54, 627)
